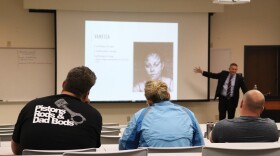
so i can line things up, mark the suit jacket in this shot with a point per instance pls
(222, 76)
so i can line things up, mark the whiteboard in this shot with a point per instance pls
(26, 73)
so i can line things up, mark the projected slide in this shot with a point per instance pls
(124, 55)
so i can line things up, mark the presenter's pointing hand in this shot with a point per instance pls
(197, 70)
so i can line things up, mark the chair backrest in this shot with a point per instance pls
(5, 131)
(107, 128)
(7, 125)
(110, 124)
(6, 128)
(193, 149)
(109, 139)
(242, 149)
(113, 132)
(54, 152)
(134, 152)
(6, 136)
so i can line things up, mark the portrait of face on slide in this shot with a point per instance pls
(152, 61)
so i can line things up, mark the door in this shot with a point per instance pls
(261, 68)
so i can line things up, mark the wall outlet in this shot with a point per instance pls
(9, 43)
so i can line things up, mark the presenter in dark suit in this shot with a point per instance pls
(229, 83)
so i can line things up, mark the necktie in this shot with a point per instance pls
(229, 87)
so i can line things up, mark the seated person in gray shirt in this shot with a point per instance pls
(249, 127)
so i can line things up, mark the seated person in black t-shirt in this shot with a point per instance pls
(249, 127)
(60, 122)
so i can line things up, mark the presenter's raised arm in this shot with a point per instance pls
(198, 70)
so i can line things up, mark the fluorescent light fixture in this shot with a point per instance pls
(231, 1)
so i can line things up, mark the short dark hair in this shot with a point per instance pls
(79, 81)
(233, 64)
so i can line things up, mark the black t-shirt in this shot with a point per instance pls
(56, 123)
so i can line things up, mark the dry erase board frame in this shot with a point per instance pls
(26, 73)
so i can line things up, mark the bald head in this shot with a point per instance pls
(253, 101)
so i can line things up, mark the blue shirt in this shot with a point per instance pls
(163, 124)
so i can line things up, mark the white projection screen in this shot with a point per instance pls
(127, 49)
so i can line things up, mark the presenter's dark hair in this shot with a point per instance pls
(233, 64)
(79, 81)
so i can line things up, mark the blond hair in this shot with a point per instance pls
(156, 91)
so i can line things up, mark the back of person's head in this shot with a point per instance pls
(253, 101)
(79, 81)
(156, 91)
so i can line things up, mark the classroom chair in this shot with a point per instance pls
(110, 139)
(192, 149)
(241, 149)
(134, 152)
(55, 152)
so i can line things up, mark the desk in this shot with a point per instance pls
(5, 144)
(272, 105)
(108, 148)
(174, 154)
(6, 151)
(202, 128)
(278, 126)
(5, 148)
(263, 145)
(207, 141)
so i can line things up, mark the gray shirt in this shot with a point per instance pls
(245, 129)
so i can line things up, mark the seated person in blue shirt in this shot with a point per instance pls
(162, 123)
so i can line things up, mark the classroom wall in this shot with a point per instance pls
(256, 23)
(21, 29)
(239, 25)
